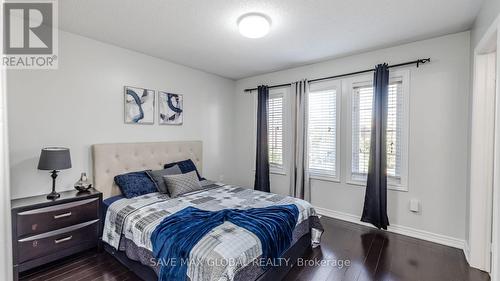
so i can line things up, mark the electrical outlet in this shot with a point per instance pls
(221, 178)
(415, 205)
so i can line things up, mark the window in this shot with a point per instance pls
(322, 132)
(361, 118)
(361, 130)
(275, 130)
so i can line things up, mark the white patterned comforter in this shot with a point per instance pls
(224, 250)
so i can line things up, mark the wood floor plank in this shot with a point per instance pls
(118, 276)
(313, 269)
(58, 266)
(91, 272)
(373, 256)
(359, 248)
(70, 267)
(109, 275)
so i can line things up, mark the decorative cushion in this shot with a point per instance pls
(186, 166)
(182, 183)
(135, 184)
(157, 177)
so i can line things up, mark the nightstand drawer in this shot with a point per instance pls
(47, 243)
(55, 217)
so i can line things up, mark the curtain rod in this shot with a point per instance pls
(417, 62)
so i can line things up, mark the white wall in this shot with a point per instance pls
(5, 226)
(489, 11)
(439, 97)
(81, 103)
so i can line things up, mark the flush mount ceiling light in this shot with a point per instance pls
(254, 25)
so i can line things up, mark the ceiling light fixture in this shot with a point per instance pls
(254, 25)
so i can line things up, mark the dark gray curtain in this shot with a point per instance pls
(262, 157)
(375, 207)
(299, 176)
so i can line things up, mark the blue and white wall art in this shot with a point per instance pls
(170, 108)
(139, 105)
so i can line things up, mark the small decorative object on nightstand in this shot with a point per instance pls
(55, 159)
(44, 231)
(83, 184)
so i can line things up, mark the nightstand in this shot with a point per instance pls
(46, 230)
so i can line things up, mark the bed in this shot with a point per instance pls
(128, 223)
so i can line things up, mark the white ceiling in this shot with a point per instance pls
(203, 34)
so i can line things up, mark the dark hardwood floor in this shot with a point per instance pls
(373, 255)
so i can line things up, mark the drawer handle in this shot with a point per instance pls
(62, 215)
(57, 241)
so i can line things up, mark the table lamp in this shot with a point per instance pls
(55, 159)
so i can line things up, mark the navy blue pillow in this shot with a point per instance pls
(186, 166)
(135, 184)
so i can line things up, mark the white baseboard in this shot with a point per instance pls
(467, 251)
(399, 229)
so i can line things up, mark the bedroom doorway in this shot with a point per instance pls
(484, 181)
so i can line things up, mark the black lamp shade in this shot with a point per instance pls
(54, 158)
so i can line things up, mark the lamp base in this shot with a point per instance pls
(53, 195)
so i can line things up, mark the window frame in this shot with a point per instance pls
(362, 80)
(326, 86)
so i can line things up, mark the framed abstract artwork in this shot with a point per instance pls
(139, 105)
(171, 110)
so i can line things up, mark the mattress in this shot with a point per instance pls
(130, 222)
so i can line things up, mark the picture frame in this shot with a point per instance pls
(139, 105)
(170, 108)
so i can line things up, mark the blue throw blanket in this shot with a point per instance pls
(177, 234)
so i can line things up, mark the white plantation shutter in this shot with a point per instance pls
(361, 130)
(322, 132)
(394, 130)
(275, 130)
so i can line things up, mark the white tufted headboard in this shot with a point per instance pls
(113, 159)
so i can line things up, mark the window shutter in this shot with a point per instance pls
(361, 130)
(275, 131)
(394, 129)
(322, 132)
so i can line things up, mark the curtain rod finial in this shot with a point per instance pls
(422, 61)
